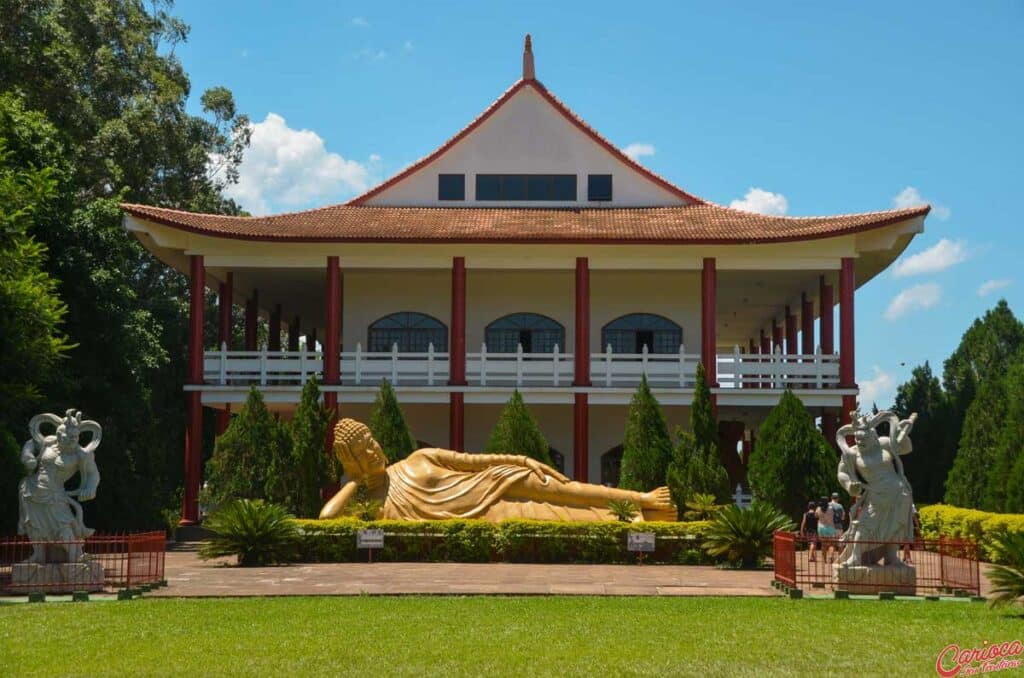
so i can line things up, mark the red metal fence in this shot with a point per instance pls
(108, 562)
(940, 566)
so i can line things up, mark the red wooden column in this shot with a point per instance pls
(193, 399)
(847, 283)
(332, 339)
(829, 427)
(293, 334)
(457, 357)
(581, 378)
(274, 340)
(826, 328)
(766, 351)
(806, 325)
(224, 307)
(776, 335)
(708, 322)
(252, 313)
(791, 345)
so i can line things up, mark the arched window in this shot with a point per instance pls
(630, 333)
(611, 466)
(537, 334)
(557, 459)
(413, 332)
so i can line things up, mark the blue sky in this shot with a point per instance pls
(823, 107)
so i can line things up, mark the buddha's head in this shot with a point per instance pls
(357, 451)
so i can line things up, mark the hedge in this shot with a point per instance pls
(514, 541)
(982, 527)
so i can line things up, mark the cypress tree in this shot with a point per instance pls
(244, 454)
(927, 467)
(517, 432)
(309, 461)
(388, 425)
(646, 447)
(791, 464)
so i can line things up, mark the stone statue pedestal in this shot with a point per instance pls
(57, 577)
(900, 579)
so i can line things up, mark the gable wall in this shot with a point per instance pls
(527, 136)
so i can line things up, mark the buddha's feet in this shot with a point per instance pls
(658, 499)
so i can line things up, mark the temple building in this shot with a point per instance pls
(530, 253)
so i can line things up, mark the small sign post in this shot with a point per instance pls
(369, 539)
(640, 543)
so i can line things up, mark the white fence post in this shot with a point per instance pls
(643, 359)
(483, 364)
(359, 363)
(430, 364)
(394, 364)
(737, 379)
(519, 364)
(608, 365)
(778, 360)
(554, 363)
(818, 368)
(223, 363)
(302, 363)
(263, 365)
(682, 366)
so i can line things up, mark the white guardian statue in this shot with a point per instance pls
(46, 512)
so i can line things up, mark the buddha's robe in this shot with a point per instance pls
(434, 484)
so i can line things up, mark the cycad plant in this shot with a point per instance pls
(745, 535)
(256, 532)
(623, 509)
(1008, 580)
(701, 507)
(363, 506)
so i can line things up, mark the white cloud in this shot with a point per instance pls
(358, 22)
(636, 151)
(878, 389)
(762, 201)
(408, 46)
(938, 257)
(990, 286)
(370, 54)
(911, 197)
(918, 297)
(290, 168)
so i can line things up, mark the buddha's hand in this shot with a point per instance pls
(544, 471)
(658, 498)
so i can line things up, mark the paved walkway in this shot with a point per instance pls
(189, 576)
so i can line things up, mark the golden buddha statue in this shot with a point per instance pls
(435, 484)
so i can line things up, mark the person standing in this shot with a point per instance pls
(809, 529)
(838, 513)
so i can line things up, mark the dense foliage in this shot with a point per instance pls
(256, 532)
(646, 447)
(791, 463)
(983, 528)
(1008, 580)
(744, 536)
(310, 466)
(92, 92)
(517, 432)
(388, 425)
(934, 447)
(518, 541)
(696, 467)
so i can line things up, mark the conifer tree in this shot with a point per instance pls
(791, 464)
(646, 446)
(244, 454)
(310, 463)
(927, 467)
(517, 432)
(388, 425)
(1007, 449)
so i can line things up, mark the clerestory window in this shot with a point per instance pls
(630, 333)
(534, 332)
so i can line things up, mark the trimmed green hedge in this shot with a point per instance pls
(982, 527)
(514, 541)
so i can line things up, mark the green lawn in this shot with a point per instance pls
(491, 636)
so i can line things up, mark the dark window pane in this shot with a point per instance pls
(563, 187)
(536, 333)
(488, 187)
(630, 333)
(538, 187)
(599, 187)
(413, 332)
(451, 187)
(513, 187)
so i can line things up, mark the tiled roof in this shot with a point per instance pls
(697, 223)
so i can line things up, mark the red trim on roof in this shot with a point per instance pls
(564, 110)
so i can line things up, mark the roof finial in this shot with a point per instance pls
(528, 59)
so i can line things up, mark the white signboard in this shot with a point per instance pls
(640, 541)
(370, 539)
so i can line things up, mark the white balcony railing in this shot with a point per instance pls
(556, 369)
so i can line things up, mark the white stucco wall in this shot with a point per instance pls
(369, 295)
(675, 295)
(527, 136)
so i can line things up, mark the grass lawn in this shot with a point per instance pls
(491, 636)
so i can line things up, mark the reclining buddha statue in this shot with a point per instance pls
(435, 484)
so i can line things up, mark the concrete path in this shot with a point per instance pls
(189, 576)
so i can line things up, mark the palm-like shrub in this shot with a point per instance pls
(701, 507)
(623, 509)
(745, 535)
(1008, 580)
(363, 506)
(256, 532)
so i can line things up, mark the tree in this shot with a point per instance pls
(927, 467)
(646, 447)
(1006, 450)
(247, 455)
(696, 467)
(388, 425)
(791, 464)
(311, 466)
(517, 432)
(11, 473)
